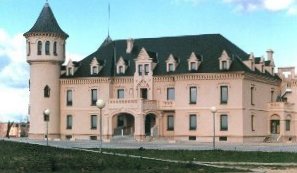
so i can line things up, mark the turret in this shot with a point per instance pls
(45, 54)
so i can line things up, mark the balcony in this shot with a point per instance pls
(140, 104)
(280, 106)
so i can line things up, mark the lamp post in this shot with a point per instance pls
(46, 114)
(100, 104)
(213, 111)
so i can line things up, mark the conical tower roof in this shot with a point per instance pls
(47, 23)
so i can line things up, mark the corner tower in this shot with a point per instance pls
(45, 54)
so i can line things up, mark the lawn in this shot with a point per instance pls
(28, 158)
(213, 156)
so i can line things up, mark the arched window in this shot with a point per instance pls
(47, 91)
(55, 48)
(28, 48)
(47, 47)
(39, 48)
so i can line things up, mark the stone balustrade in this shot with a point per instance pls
(280, 106)
(140, 104)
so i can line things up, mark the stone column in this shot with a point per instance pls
(139, 127)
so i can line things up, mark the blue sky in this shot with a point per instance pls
(253, 25)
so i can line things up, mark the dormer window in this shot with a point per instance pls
(224, 65)
(121, 70)
(194, 62)
(95, 67)
(70, 68)
(121, 66)
(95, 70)
(69, 71)
(171, 67)
(171, 63)
(193, 66)
(225, 61)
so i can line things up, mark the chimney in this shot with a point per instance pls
(270, 54)
(130, 43)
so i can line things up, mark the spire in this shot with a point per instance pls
(108, 19)
(46, 23)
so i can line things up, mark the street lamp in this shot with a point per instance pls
(46, 114)
(213, 111)
(100, 104)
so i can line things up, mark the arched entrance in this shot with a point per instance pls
(149, 123)
(275, 124)
(123, 124)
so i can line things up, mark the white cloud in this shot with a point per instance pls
(14, 76)
(269, 5)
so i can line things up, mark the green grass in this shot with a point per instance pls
(28, 158)
(213, 156)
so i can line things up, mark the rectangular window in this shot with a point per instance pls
(93, 121)
(170, 122)
(224, 94)
(69, 122)
(271, 96)
(93, 137)
(252, 122)
(121, 93)
(252, 95)
(143, 93)
(69, 98)
(193, 95)
(224, 122)
(192, 138)
(193, 66)
(146, 69)
(193, 122)
(288, 125)
(140, 69)
(223, 138)
(224, 65)
(95, 70)
(170, 67)
(121, 70)
(93, 97)
(170, 93)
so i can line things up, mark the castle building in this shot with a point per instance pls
(157, 87)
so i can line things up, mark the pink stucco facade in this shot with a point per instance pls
(253, 104)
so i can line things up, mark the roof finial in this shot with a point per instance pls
(108, 19)
(46, 3)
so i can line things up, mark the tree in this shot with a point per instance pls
(9, 125)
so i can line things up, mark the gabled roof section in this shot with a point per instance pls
(47, 23)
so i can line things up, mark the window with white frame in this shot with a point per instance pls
(171, 67)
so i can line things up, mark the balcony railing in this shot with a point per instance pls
(280, 106)
(140, 104)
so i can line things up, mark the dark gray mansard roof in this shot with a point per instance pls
(47, 23)
(209, 47)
